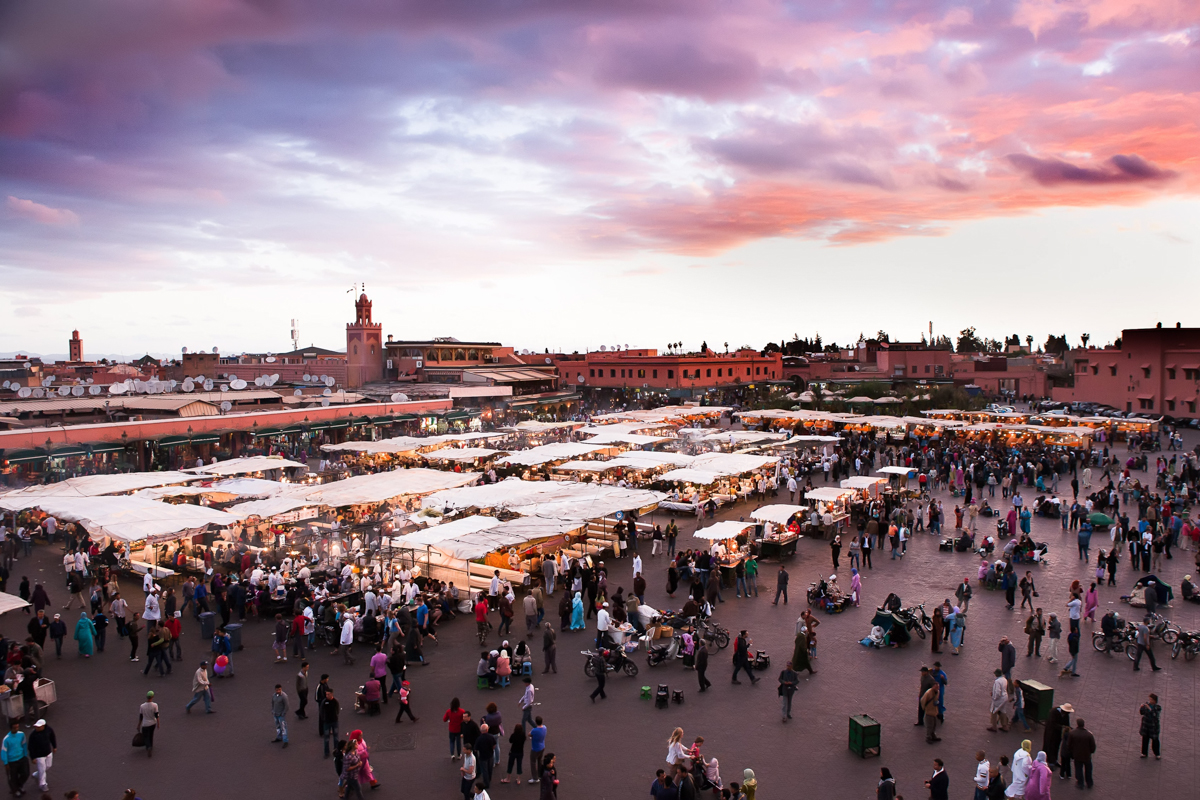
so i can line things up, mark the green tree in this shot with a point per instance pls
(1056, 344)
(968, 341)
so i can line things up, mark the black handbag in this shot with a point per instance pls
(139, 739)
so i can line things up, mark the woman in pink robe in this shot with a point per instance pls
(1091, 602)
(1038, 785)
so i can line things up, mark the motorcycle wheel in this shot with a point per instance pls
(631, 669)
(927, 624)
(589, 668)
(722, 640)
(1170, 636)
(1175, 648)
(1131, 651)
(1099, 642)
(1189, 653)
(920, 629)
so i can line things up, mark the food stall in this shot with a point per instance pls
(830, 505)
(898, 478)
(730, 545)
(781, 532)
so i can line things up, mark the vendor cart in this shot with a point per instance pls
(13, 706)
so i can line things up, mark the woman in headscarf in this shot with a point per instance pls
(1022, 763)
(365, 774)
(956, 623)
(750, 783)
(39, 598)
(1012, 521)
(577, 612)
(939, 628)
(564, 612)
(800, 652)
(1038, 787)
(672, 579)
(85, 635)
(1091, 601)
(855, 585)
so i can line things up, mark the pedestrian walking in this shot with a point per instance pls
(302, 689)
(201, 689)
(537, 749)
(927, 683)
(999, 707)
(1008, 656)
(741, 657)
(516, 752)
(57, 629)
(939, 783)
(42, 746)
(1143, 643)
(1151, 713)
(1035, 629)
(1081, 745)
(702, 666)
(929, 707)
(527, 702)
(467, 772)
(599, 665)
(788, 680)
(148, 723)
(279, 709)
(781, 586)
(1053, 634)
(15, 753)
(982, 777)
(330, 708)
(550, 647)
(1073, 651)
(405, 703)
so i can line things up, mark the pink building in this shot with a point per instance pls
(1155, 370)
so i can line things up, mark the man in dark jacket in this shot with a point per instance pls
(42, 745)
(1008, 656)
(939, 784)
(741, 657)
(1082, 744)
(485, 746)
(1151, 713)
(781, 584)
(702, 665)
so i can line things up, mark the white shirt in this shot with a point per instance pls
(602, 620)
(494, 586)
(637, 564)
(152, 610)
(1021, 765)
(348, 631)
(147, 582)
(68, 562)
(80, 561)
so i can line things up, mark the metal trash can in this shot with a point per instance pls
(208, 625)
(235, 635)
(1039, 700)
(864, 735)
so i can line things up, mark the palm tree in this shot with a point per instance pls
(1028, 343)
(1084, 338)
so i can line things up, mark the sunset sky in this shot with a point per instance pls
(571, 173)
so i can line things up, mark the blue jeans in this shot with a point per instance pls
(397, 679)
(281, 727)
(671, 546)
(197, 697)
(752, 583)
(1070, 667)
(853, 558)
(741, 588)
(455, 744)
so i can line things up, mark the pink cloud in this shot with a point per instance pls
(40, 213)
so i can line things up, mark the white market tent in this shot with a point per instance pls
(398, 444)
(813, 438)
(270, 507)
(549, 499)
(132, 519)
(742, 437)
(626, 438)
(731, 463)
(245, 466)
(10, 602)
(92, 486)
(436, 534)
(828, 494)
(902, 471)
(489, 495)
(862, 482)
(555, 451)
(239, 487)
(462, 453)
(726, 529)
(382, 486)
(779, 513)
(690, 475)
(517, 532)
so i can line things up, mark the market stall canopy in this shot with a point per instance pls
(462, 453)
(779, 513)
(518, 532)
(555, 451)
(245, 466)
(627, 438)
(533, 426)
(132, 519)
(727, 529)
(827, 494)
(550, 499)
(269, 507)
(488, 495)
(1103, 520)
(382, 486)
(92, 486)
(897, 470)
(731, 463)
(862, 482)
(10, 602)
(742, 437)
(436, 534)
(691, 475)
(813, 438)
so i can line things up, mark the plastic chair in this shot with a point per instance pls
(481, 682)
(645, 692)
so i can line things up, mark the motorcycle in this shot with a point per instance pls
(1122, 638)
(658, 653)
(1161, 628)
(915, 619)
(1188, 643)
(615, 660)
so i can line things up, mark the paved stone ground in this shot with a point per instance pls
(612, 749)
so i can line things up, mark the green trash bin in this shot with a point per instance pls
(1039, 700)
(864, 735)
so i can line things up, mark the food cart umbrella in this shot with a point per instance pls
(1100, 519)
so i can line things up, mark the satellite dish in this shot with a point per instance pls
(325, 403)
(188, 385)
(548, 360)
(258, 381)
(94, 390)
(118, 388)
(63, 391)
(270, 359)
(326, 393)
(174, 384)
(47, 381)
(226, 405)
(5, 384)
(307, 377)
(274, 378)
(39, 392)
(185, 349)
(329, 381)
(208, 385)
(24, 391)
(76, 390)
(199, 379)
(603, 348)
(238, 384)
(138, 386)
(215, 351)
(298, 393)
(224, 387)
(626, 347)
(580, 379)
(399, 397)
(93, 380)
